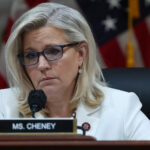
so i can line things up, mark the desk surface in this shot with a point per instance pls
(44, 142)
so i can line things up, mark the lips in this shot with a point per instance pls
(46, 79)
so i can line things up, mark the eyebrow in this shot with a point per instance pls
(29, 49)
(46, 46)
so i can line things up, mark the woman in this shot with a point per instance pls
(51, 47)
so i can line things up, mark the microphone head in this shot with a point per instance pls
(36, 100)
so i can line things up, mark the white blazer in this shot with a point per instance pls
(119, 117)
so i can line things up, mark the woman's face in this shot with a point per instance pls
(54, 77)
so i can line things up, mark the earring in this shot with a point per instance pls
(80, 70)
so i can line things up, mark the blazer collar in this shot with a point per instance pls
(87, 110)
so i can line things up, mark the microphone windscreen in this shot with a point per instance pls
(37, 98)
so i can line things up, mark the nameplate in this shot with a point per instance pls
(65, 125)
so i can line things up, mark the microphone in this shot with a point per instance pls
(36, 100)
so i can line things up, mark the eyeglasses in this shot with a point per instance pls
(51, 53)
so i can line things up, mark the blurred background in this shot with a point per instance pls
(121, 29)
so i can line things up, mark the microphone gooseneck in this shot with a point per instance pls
(36, 100)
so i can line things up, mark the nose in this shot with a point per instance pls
(43, 64)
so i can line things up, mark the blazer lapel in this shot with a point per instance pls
(91, 116)
(85, 115)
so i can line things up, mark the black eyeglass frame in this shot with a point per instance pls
(21, 55)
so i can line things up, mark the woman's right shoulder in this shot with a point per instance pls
(8, 103)
(6, 94)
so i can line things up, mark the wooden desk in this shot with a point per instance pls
(65, 142)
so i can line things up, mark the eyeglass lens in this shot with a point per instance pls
(50, 53)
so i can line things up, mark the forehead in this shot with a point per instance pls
(44, 35)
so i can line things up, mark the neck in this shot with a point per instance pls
(58, 105)
(59, 109)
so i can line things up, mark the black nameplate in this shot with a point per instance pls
(66, 125)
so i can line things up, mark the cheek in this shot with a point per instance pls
(68, 68)
(33, 75)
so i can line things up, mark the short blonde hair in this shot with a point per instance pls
(77, 29)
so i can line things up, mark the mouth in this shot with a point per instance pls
(47, 79)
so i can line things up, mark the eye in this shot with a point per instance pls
(53, 51)
(30, 55)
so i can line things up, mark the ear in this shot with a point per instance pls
(82, 50)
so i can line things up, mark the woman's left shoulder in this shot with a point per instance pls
(119, 97)
(118, 93)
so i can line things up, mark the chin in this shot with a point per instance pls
(49, 90)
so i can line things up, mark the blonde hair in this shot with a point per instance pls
(77, 30)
